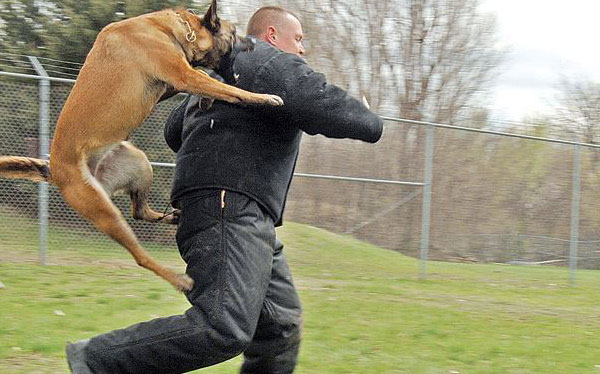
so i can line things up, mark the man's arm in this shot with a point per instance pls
(315, 106)
(174, 125)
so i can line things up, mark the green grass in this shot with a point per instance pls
(365, 309)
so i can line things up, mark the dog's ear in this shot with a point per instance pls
(211, 20)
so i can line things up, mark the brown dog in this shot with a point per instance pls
(132, 64)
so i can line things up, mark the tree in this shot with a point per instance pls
(578, 113)
(72, 34)
(66, 29)
(579, 109)
(21, 26)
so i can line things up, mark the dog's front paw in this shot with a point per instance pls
(184, 283)
(273, 100)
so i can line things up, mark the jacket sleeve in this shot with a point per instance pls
(315, 106)
(174, 125)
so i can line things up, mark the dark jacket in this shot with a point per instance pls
(253, 150)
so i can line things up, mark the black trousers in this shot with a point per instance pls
(243, 299)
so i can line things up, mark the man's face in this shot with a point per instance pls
(288, 36)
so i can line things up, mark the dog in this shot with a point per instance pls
(131, 66)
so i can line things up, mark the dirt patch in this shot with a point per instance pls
(33, 363)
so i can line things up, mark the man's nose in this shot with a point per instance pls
(302, 50)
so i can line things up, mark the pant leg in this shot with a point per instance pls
(274, 347)
(229, 253)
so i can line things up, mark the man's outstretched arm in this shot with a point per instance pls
(315, 106)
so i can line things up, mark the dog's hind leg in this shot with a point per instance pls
(126, 168)
(83, 192)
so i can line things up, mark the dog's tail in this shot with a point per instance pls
(34, 169)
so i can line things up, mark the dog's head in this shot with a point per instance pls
(211, 38)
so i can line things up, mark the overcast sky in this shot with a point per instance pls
(547, 39)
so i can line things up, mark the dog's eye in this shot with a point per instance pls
(191, 11)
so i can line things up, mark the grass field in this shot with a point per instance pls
(365, 309)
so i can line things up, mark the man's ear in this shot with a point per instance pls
(271, 34)
(211, 20)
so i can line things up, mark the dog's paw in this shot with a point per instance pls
(184, 283)
(274, 100)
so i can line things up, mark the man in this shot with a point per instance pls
(234, 168)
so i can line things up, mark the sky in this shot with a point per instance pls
(547, 41)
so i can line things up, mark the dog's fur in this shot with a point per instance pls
(132, 64)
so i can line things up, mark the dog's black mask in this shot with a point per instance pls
(225, 68)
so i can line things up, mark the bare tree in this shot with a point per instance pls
(579, 109)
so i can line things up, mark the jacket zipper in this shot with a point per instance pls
(223, 253)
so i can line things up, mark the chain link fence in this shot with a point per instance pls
(493, 199)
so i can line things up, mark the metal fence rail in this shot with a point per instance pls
(381, 208)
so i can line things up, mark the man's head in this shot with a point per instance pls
(278, 27)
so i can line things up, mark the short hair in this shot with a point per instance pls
(265, 17)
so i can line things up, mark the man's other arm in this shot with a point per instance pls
(174, 125)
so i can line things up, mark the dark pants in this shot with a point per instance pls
(243, 299)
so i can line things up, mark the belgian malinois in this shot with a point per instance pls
(131, 65)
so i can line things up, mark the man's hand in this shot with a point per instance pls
(365, 102)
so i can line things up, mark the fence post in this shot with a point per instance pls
(44, 145)
(575, 215)
(426, 208)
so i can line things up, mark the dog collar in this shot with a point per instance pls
(191, 34)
